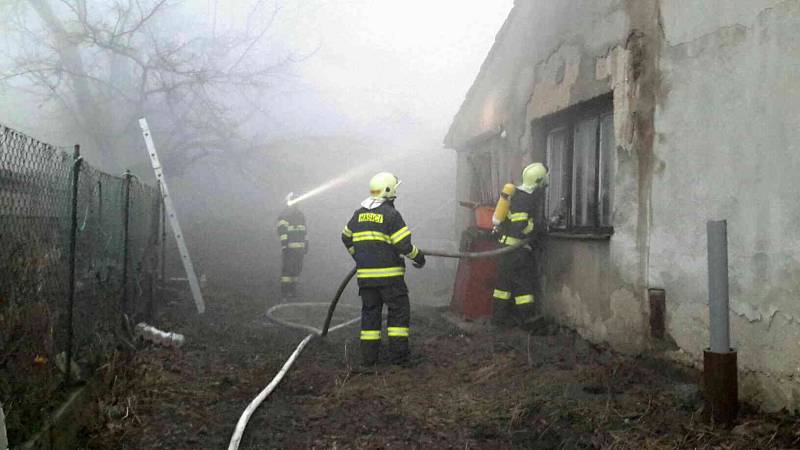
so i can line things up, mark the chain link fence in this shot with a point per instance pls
(79, 252)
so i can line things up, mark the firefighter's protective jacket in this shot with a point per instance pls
(292, 229)
(518, 224)
(376, 238)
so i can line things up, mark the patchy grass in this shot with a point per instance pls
(509, 390)
(29, 378)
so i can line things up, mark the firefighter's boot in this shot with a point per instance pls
(399, 351)
(502, 313)
(370, 351)
(522, 313)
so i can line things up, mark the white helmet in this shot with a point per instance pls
(383, 186)
(535, 176)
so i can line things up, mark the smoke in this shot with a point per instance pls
(371, 86)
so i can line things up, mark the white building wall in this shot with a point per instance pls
(728, 147)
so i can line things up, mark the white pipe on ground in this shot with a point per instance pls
(153, 334)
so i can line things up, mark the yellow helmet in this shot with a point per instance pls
(535, 176)
(383, 185)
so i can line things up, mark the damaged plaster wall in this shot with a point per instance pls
(537, 33)
(600, 287)
(548, 57)
(705, 118)
(728, 147)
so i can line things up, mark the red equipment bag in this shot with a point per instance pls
(475, 278)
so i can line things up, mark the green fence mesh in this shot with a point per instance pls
(117, 217)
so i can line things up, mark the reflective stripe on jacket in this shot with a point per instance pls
(377, 238)
(292, 229)
(518, 224)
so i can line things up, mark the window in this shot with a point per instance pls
(493, 165)
(580, 147)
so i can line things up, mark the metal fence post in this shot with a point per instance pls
(126, 183)
(152, 265)
(99, 205)
(163, 240)
(73, 235)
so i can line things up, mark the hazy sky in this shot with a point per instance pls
(373, 67)
(378, 64)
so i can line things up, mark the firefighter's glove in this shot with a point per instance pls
(419, 261)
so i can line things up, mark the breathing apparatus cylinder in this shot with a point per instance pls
(503, 204)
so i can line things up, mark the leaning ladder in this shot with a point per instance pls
(173, 218)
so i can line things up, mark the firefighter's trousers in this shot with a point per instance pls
(395, 296)
(513, 293)
(291, 266)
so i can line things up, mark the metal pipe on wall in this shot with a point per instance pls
(720, 372)
(718, 285)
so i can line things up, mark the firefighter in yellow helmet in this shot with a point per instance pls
(514, 286)
(376, 236)
(294, 245)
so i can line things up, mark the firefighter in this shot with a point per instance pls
(294, 246)
(515, 270)
(376, 237)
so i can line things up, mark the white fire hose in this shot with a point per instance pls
(238, 432)
(315, 332)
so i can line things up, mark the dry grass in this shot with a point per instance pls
(479, 391)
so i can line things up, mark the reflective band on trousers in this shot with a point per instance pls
(297, 245)
(501, 295)
(398, 331)
(508, 240)
(288, 279)
(381, 273)
(370, 335)
(523, 299)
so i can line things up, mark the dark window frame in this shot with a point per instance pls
(600, 110)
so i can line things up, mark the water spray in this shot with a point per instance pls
(327, 185)
(341, 179)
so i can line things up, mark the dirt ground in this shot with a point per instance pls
(542, 389)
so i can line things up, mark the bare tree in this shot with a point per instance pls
(107, 63)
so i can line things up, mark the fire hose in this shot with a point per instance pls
(317, 333)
